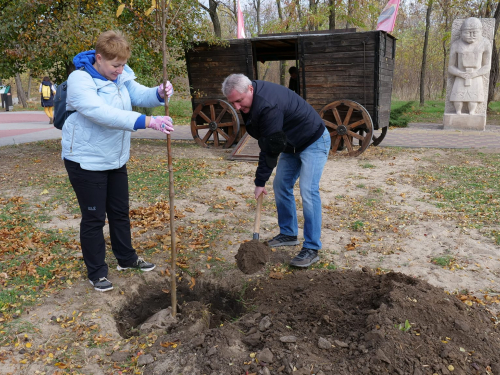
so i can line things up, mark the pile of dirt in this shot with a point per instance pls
(313, 322)
(252, 256)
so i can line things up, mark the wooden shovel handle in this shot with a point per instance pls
(256, 226)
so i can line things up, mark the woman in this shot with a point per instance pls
(96, 148)
(47, 92)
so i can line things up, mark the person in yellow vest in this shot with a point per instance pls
(47, 92)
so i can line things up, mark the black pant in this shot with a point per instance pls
(100, 193)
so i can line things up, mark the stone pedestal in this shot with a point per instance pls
(464, 122)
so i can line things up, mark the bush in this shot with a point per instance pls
(398, 118)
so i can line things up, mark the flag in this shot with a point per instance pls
(387, 18)
(241, 23)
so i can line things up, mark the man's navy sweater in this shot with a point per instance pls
(276, 108)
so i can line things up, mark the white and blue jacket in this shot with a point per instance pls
(97, 135)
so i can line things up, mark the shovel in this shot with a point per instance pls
(256, 225)
(253, 255)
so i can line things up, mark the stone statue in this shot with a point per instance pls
(469, 69)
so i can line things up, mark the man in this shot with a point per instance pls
(470, 60)
(286, 126)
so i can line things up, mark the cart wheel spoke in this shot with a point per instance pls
(226, 125)
(335, 143)
(212, 113)
(204, 116)
(221, 132)
(348, 143)
(355, 124)
(330, 124)
(337, 116)
(223, 121)
(205, 138)
(348, 116)
(216, 139)
(201, 127)
(355, 135)
(223, 112)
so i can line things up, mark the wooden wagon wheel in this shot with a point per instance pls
(220, 120)
(380, 138)
(346, 120)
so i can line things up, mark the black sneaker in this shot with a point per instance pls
(305, 258)
(283, 240)
(139, 264)
(102, 285)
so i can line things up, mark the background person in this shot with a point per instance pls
(47, 92)
(286, 126)
(293, 83)
(96, 148)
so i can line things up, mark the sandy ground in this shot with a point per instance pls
(375, 214)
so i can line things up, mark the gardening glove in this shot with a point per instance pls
(161, 123)
(170, 90)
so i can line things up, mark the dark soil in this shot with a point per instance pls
(323, 322)
(252, 256)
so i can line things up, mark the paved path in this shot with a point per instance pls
(22, 127)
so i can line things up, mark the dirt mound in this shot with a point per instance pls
(252, 256)
(313, 322)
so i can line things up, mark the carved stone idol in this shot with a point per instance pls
(469, 73)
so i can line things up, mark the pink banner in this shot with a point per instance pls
(387, 18)
(241, 23)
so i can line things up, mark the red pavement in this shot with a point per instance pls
(9, 118)
(14, 132)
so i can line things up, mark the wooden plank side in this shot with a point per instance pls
(208, 66)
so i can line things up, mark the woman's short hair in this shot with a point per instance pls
(238, 82)
(113, 44)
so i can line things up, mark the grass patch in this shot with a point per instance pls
(469, 187)
(180, 110)
(367, 165)
(357, 225)
(149, 177)
(443, 261)
(403, 112)
(398, 116)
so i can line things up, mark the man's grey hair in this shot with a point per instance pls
(238, 82)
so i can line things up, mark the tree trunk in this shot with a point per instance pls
(282, 73)
(29, 85)
(20, 91)
(494, 72)
(331, 16)
(424, 54)
(349, 14)
(313, 25)
(445, 70)
(212, 5)
(299, 12)
(256, 5)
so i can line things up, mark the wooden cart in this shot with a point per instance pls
(345, 75)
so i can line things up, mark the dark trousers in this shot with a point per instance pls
(100, 193)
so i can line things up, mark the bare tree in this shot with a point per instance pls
(212, 11)
(494, 72)
(424, 53)
(313, 6)
(20, 91)
(256, 5)
(350, 11)
(331, 16)
(282, 63)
